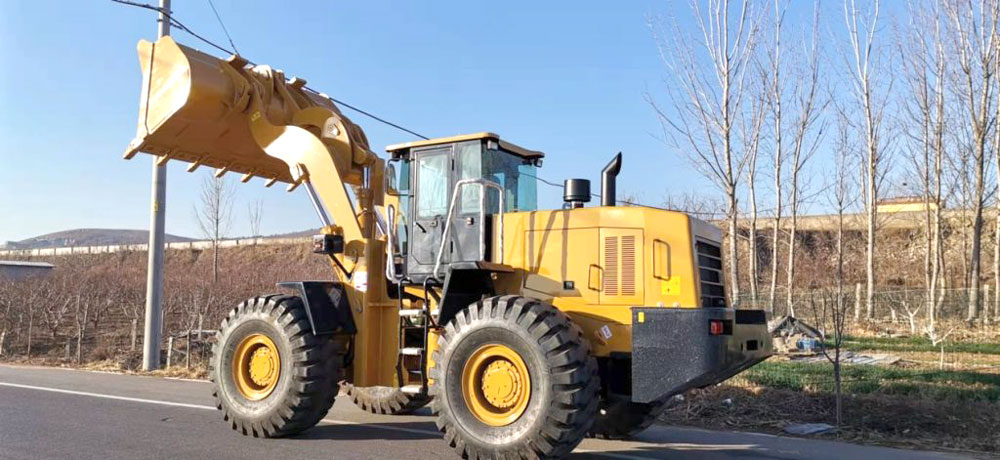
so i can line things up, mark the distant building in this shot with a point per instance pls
(905, 204)
(18, 269)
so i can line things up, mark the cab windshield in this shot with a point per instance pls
(515, 175)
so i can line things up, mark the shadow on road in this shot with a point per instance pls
(371, 431)
(684, 452)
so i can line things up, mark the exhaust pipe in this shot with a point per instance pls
(608, 176)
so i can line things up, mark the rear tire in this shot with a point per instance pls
(620, 418)
(551, 368)
(287, 394)
(384, 400)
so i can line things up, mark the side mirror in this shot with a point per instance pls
(397, 177)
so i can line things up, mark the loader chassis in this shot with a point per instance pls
(524, 328)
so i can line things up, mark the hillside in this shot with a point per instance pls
(88, 237)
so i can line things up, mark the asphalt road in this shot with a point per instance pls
(49, 413)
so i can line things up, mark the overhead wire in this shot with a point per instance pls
(224, 30)
(175, 22)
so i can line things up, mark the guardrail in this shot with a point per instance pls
(143, 247)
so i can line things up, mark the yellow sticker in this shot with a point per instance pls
(671, 286)
(642, 317)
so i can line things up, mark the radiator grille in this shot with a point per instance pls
(610, 265)
(628, 265)
(713, 294)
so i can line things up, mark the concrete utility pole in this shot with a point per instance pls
(154, 273)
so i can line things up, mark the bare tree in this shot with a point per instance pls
(776, 100)
(973, 32)
(870, 96)
(752, 127)
(804, 140)
(255, 215)
(841, 200)
(214, 216)
(926, 68)
(707, 94)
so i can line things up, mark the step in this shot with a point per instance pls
(412, 389)
(411, 351)
(411, 312)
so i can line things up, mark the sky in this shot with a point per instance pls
(568, 78)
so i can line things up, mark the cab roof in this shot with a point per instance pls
(404, 147)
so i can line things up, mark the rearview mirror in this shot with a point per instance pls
(397, 177)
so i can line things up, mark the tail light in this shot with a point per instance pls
(720, 327)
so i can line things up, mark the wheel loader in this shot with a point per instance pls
(525, 329)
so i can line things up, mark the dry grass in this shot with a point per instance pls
(195, 372)
(870, 419)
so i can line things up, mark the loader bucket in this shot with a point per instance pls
(193, 108)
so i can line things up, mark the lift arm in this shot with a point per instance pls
(235, 117)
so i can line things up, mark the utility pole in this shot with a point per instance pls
(154, 274)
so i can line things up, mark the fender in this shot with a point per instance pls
(326, 306)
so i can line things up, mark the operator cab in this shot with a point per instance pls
(424, 176)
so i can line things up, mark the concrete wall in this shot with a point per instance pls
(143, 247)
(20, 272)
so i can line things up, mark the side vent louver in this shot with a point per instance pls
(628, 265)
(610, 284)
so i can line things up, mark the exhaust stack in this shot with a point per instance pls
(608, 179)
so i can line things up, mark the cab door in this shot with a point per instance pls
(432, 191)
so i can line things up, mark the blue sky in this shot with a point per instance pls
(565, 78)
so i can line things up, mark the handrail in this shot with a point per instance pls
(390, 247)
(484, 184)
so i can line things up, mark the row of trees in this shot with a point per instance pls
(91, 306)
(839, 115)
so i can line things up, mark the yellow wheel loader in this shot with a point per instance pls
(525, 329)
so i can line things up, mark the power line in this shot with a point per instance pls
(212, 4)
(184, 28)
(366, 113)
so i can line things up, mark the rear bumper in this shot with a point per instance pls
(672, 350)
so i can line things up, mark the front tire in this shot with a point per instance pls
(513, 378)
(272, 376)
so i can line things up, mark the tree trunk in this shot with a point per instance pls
(734, 271)
(996, 266)
(977, 232)
(3, 338)
(790, 273)
(772, 296)
(753, 244)
(870, 265)
(31, 323)
(170, 351)
(986, 303)
(215, 261)
(79, 344)
(201, 325)
(857, 302)
(135, 332)
(837, 389)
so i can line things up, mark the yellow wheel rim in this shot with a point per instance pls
(496, 385)
(256, 367)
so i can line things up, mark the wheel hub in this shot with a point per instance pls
(262, 366)
(496, 385)
(502, 384)
(256, 367)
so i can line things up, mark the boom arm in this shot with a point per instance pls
(231, 116)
